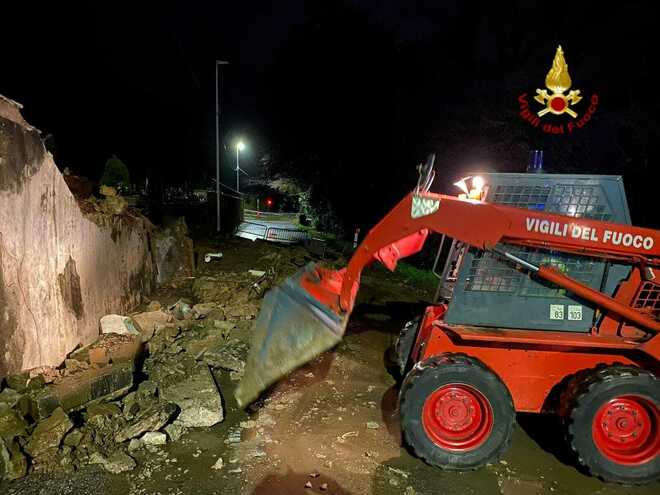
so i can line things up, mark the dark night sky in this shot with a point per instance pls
(352, 93)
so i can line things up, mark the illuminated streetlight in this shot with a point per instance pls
(240, 146)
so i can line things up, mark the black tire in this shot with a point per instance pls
(587, 399)
(432, 377)
(404, 344)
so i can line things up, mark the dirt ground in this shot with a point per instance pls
(309, 433)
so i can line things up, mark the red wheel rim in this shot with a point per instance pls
(626, 430)
(457, 417)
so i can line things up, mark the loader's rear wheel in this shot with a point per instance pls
(404, 344)
(456, 413)
(614, 423)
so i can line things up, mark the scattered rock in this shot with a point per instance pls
(154, 438)
(154, 306)
(49, 433)
(116, 463)
(151, 419)
(123, 325)
(323, 487)
(175, 431)
(73, 438)
(197, 396)
(373, 425)
(13, 464)
(219, 464)
(12, 424)
(9, 398)
(249, 424)
(73, 365)
(147, 389)
(134, 444)
(230, 355)
(257, 273)
(150, 322)
(18, 381)
(308, 484)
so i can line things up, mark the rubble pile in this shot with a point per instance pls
(93, 409)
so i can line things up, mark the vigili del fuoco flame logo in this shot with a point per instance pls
(556, 102)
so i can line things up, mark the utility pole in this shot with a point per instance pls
(217, 142)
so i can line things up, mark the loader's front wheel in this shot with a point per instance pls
(456, 413)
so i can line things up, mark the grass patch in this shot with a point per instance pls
(417, 277)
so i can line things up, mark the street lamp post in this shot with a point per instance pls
(217, 143)
(240, 146)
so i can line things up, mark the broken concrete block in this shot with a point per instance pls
(198, 397)
(77, 390)
(147, 389)
(99, 356)
(9, 398)
(150, 322)
(154, 438)
(175, 430)
(152, 419)
(134, 444)
(73, 438)
(73, 365)
(109, 347)
(116, 463)
(12, 424)
(122, 325)
(49, 433)
(18, 381)
(13, 464)
(230, 356)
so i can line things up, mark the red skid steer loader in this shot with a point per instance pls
(464, 382)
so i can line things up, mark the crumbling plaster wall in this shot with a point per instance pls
(59, 270)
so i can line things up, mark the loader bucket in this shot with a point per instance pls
(292, 328)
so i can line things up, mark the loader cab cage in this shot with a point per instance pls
(482, 289)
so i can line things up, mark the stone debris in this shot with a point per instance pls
(49, 433)
(198, 397)
(154, 306)
(154, 438)
(116, 463)
(175, 431)
(122, 403)
(122, 325)
(13, 464)
(219, 464)
(373, 425)
(150, 322)
(151, 419)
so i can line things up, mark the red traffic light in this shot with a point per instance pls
(269, 202)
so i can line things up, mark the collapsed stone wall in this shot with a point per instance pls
(60, 269)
